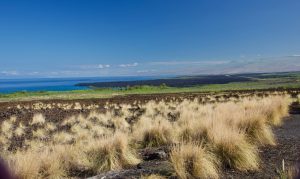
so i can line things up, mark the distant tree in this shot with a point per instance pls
(163, 85)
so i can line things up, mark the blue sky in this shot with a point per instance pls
(55, 38)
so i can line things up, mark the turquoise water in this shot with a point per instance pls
(56, 84)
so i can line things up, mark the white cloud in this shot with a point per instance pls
(211, 62)
(142, 71)
(54, 73)
(146, 71)
(169, 67)
(94, 66)
(101, 66)
(33, 73)
(129, 65)
(10, 73)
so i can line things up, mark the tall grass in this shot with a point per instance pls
(194, 161)
(113, 153)
(203, 138)
(153, 133)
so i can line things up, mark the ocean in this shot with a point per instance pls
(57, 84)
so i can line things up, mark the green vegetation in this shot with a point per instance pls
(261, 81)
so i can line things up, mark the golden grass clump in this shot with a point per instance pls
(63, 138)
(77, 106)
(191, 132)
(80, 133)
(6, 127)
(192, 129)
(13, 119)
(69, 121)
(72, 157)
(192, 160)
(4, 143)
(120, 124)
(84, 122)
(38, 119)
(36, 164)
(40, 133)
(248, 118)
(47, 161)
(276, 108)
(154, 133)
(112, 153)
(20, 130)
(257, 130)
(98, 131)
(50, 127)
(111, 120)
(6, 131)
(231, 146)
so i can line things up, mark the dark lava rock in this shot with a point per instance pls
(163, 168)
(155, 155)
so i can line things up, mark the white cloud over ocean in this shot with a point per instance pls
(10, 73)
(129, 65)
(168, 67)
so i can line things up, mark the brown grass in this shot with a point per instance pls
(194, 161)
(112, 153)
(154, 133)
(232, 148)
(20, 130)
(38, 119)
(205, 136)
(36, 164)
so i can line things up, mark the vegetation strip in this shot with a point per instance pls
(204, 138)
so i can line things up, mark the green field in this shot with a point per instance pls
(261, 81)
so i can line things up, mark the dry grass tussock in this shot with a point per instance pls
(59, 160)
(231, 146)
(38, 119)
(207, 137)
(153, 132)
(194, 161)
(53, 161)
(112, 153)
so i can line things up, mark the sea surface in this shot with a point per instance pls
(57, 84)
